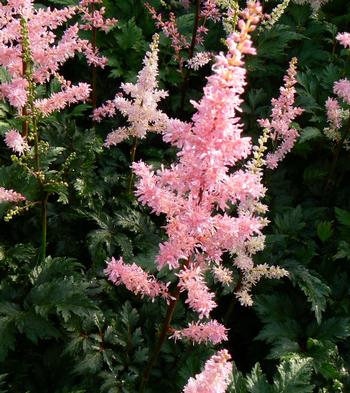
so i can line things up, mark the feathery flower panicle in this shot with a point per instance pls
(94, 18)
(215, 377)
(276, 14)
(170, 29)
(189, 191)
(15, 141)
(48, 51)
(336, 115)
(198, 296)
(253, 276)
(198, 333)
(283, 113)
(333, 113)
(141, 110)
(10, 196)
(199, 60)
(222, 274)
(344, 39)
(314, 4)
(135, 279)
(209, 10)
(57, 101)
(342, 89)
(195, 192)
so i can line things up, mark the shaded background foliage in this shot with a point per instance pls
(65, 329)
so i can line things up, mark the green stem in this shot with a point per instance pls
(42, 253)
(166, 325)
(28, 74)
(132, 154)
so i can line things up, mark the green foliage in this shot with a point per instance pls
(293, 375)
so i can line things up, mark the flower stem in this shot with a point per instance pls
(42, 253)
(166, 325)
(132, 154)
(28, 75)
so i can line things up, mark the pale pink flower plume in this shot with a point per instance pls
(141, 110)
(199, 60)
(170, 29)
(215, 377)
(314, 4)
(198, 296)
(180, 42)
(15, 141)
(135, 279)
(333, 113)
(69, 95)
(210, 10)
(198, 333)
(342, 89)
(15, 91)
(10, 196)
(48, 50)
(94, 18)
(222, 274)
(283, 114)
(344, 39)
(191, 190)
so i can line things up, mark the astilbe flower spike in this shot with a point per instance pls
(198, 333)
(10, 196)
(215, 377)
(93, 18)
(208, 10)
(344, 39)
(283, 113)
(47, 51)
(141, 110)
(336, 113)
(314, 4)
(15, 141)
(195, 192)
(135, 279)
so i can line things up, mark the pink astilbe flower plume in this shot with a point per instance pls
(10, 196)
(209, 10)
(215, 377)
(135, 279)
(141, 110)
(15, 141)
(211, 331)
(48, 51)
(283, 114)
(191, 190)
(342, 89)
(93, 18)
(344, 39)
(198, 296)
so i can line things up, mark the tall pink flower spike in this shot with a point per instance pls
(283, 113)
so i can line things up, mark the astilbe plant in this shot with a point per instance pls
(32, 53)
(211, 201)
(337, 109)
